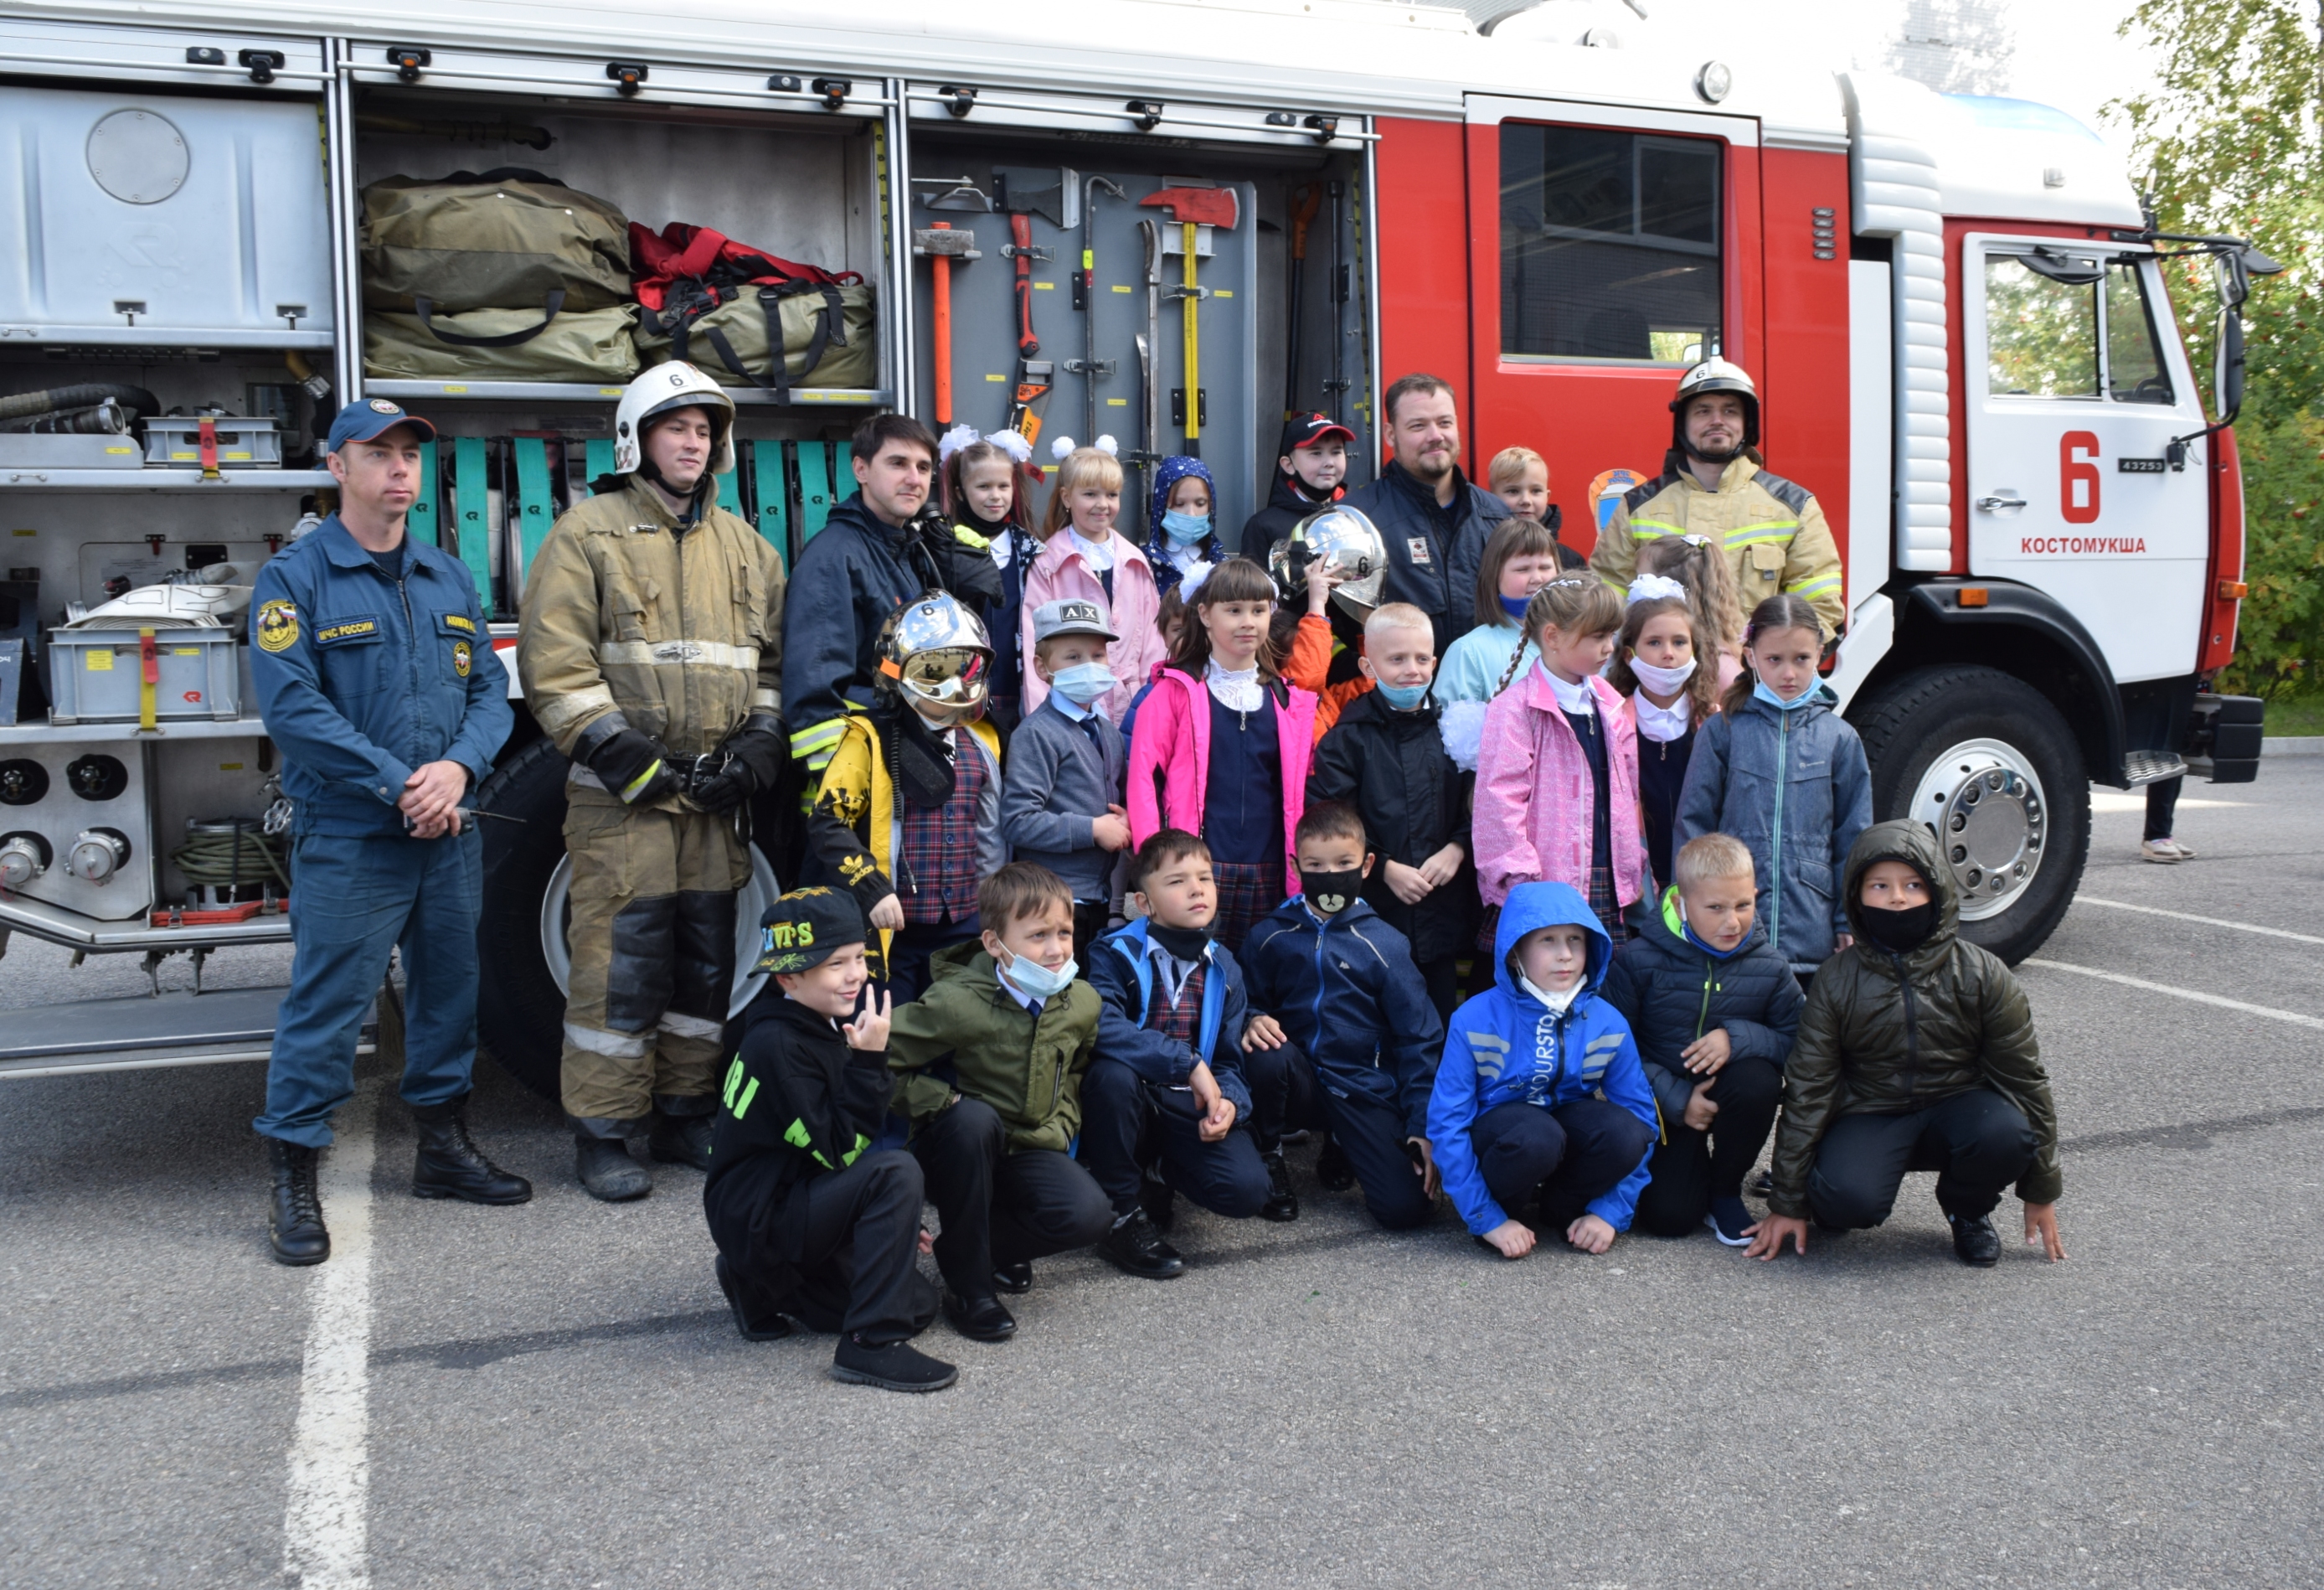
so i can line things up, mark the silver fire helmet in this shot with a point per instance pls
(1341, 535)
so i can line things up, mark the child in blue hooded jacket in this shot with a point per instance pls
(1182, 521)
(1515, 1115)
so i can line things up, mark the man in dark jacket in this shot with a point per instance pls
(1433, 520)
(1713, 1008)
(1916, 1052)
(807, 1224)
(1388, 761)
(1308, 476)
(877, 551)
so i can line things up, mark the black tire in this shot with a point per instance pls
(1923, 713)
(519, 1013)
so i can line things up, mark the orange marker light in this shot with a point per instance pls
(1974, 596)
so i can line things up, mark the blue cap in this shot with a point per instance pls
(369, 417)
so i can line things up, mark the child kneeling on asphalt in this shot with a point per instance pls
(1517, 1114)
(989, 1064)
(807, 1223)
(1345, 1037)
(1713, 1008)
(1167, 1086)
(1916, 1052)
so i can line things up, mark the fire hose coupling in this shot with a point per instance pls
(23, 858)
(98, 854)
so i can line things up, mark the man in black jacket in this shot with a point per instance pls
(807, 1224)
(878, 549)
(1307, 475)
(1433, 520)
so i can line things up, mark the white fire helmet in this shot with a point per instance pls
(675, 385)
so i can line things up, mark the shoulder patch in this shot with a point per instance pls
(1790, 493)
(276, 627)
(1639, 497)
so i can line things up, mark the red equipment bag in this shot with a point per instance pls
(687, 271)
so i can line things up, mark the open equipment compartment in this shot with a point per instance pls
(776, 169)
(1057, 161)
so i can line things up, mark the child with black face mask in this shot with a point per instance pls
(1916, 1052)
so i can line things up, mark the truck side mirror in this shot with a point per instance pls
(2228, 365)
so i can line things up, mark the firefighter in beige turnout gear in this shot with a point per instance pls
(1772, 529)
(652, 653)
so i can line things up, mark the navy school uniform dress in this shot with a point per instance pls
(1661, 775)
(1243, 814)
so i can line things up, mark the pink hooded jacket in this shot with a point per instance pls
(1171, 745)
(1060, 572)
(1534, 801)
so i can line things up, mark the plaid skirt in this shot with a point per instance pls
(1248, 891)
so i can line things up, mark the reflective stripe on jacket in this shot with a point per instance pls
(1772, 529)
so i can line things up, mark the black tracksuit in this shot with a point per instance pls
(811, 1225)
(1287, 506)
(1392, 767)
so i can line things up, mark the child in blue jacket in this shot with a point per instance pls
(1343, 1035)
(1516, 1115)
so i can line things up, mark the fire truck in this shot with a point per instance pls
(1956, 311)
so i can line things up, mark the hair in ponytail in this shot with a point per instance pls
(1778, 611)
(1697, 563)
(1703, 687)
(1571, 604)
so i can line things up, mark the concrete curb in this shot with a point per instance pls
(2291, 746)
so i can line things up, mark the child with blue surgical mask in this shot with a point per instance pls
(1783, 771)
(1182, 520)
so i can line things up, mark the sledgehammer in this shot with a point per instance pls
(1194, 208)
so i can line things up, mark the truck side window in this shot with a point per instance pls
(2135, 372)
(1609, 245)
(2041, 336)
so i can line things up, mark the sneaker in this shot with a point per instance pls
(1333, 1169)
(1763, 1186)
(1282, 1204)
(1974, 1241)
(898, 1366)
(1727, 1220)
(2166, 850)
(1138, 1249)
(771, 1328)
(1014, 1279)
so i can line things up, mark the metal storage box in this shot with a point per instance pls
(175, 440)
(23, 451)
(96, 675)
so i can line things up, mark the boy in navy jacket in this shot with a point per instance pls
(1168, 1083)
(1516, 1115)
(1346, 1037)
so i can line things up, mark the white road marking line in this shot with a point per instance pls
(2156, 910)
(325, 1526)
(2197, 995)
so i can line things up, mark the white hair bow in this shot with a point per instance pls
(1191, 581)
(1014, 444)
(1108, 446)
(1063, 447)
(958, 437)
(1651, 587)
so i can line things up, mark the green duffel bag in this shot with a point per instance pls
(595, 346)
(829, 337)
(504, 239)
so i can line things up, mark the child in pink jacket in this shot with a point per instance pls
(1222, 746)
(1558, 774)
(1082, 559)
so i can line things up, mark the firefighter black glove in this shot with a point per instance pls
(634, 767)
(755, 755)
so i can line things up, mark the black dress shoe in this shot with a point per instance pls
(605, 1167)
(896, 1366)
(1974, 1241)
(681, 1139)
(754, 1328)
(1015, 1280)
(295, 1223)
(979, 1319)
(1333, 1169)
(450, 1166)
(1138, 1248)
(1160, 1204)
(1282, 1203)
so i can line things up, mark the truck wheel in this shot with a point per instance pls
(1989, 766)
(521, 940)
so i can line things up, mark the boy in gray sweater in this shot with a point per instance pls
(1062, 805)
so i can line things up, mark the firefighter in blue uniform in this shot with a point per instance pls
(378, 681)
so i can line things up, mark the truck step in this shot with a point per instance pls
(2151, 767)
(228, 1027)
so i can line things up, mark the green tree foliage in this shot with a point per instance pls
(2230, 141)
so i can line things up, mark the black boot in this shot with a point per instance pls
(755, 1327)
(1282, 1203)
(451, 1166)
(602, 1160)
(1332, 1168)
(681, 1133)
(979, 1319)
(1974, 1241)
(1014, 1279)
(296, 1223)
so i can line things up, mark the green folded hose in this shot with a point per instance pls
(230, 854)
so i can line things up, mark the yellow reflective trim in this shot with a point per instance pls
(1656, 527)
(1809, 588)
(1736, 538)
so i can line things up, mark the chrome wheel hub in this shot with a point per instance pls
(1984, 804)
(758, 892)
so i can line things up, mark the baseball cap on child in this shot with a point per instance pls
(1070, 616)
(801, 930)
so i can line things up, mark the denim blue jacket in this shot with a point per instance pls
(361, 679)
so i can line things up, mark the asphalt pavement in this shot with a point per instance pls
(553, 1394)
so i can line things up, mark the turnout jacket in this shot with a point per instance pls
(1028, 1068)
(1886, 1034)
(1507, 1046)
(1393, 768)
(1346, 991)
(1772, 529)
(1672, 991)
(796, 1104)
(856, 825)
(1121, 970)
(363, 680)
(678, 627)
